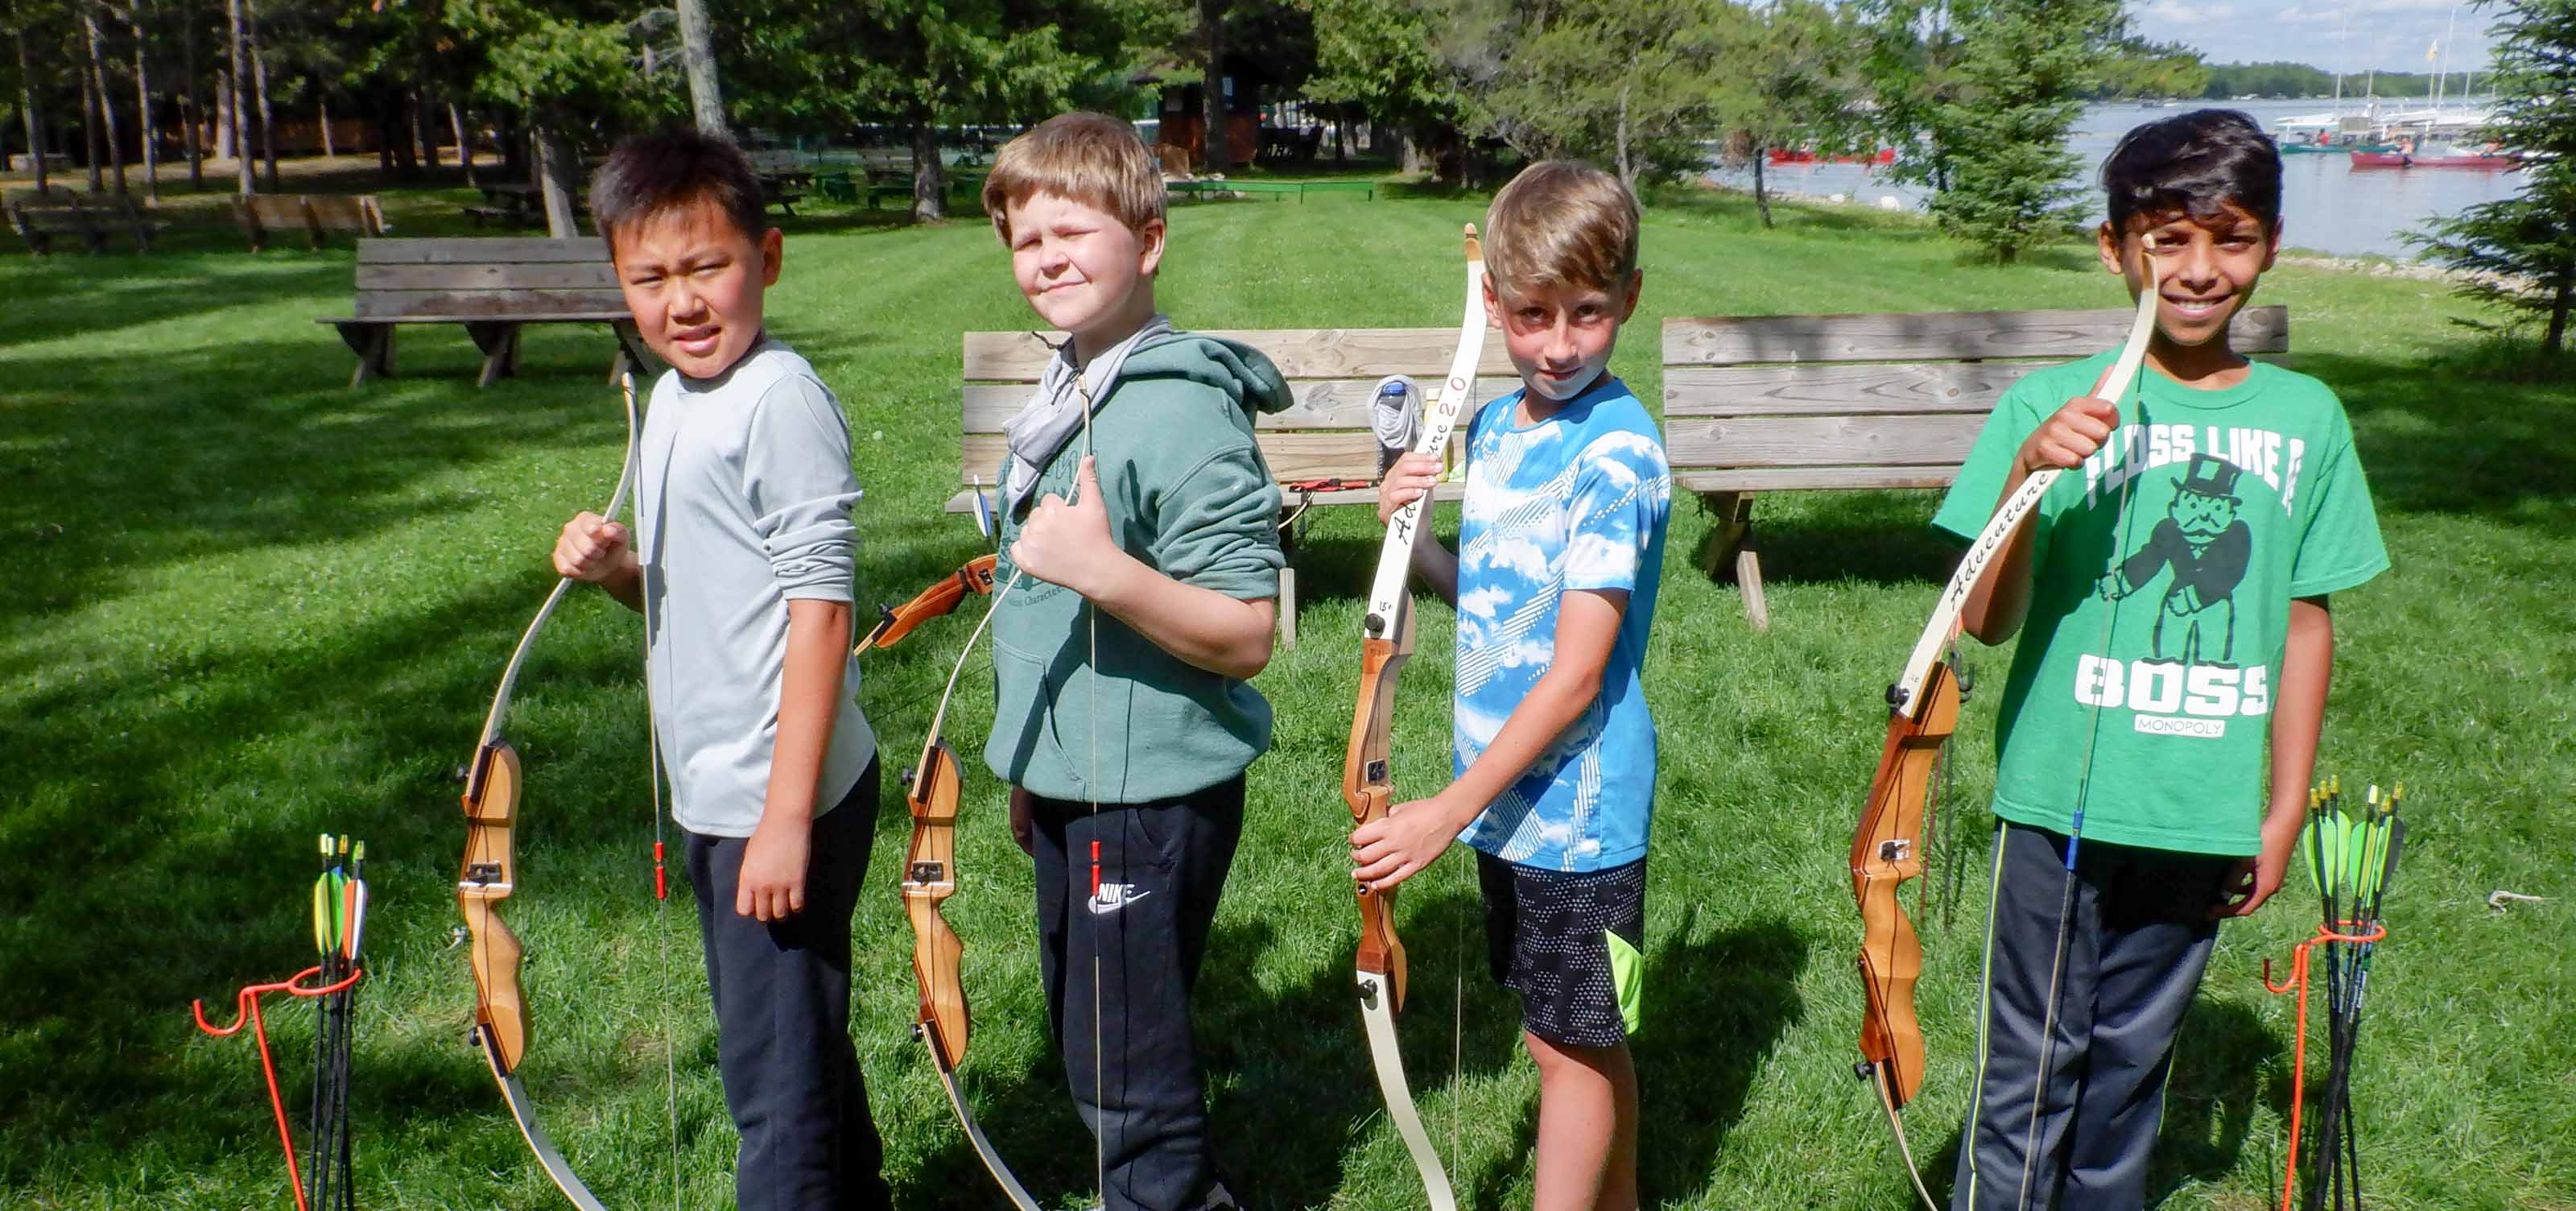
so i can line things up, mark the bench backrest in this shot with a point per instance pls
(882, 161)
(1755, 403)
(343, 212)
(515, 278)
(1333, 373)
(780, 159)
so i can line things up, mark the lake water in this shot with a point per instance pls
(2325, 204)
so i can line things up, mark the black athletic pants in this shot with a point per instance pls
(1141, 923)
(2070, 1089)
(782, 999)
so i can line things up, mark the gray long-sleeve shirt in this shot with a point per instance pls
(743, 505)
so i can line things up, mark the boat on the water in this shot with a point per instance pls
(2404, 159)
(2297, 148)
(1804, 155)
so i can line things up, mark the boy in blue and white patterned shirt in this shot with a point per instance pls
(1561, 547)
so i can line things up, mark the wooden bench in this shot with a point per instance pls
(1758, 404)
(1322, 449)
(39, 219)
(316, 215)
(491, 286)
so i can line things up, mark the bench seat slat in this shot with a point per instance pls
(514, 275)
(490, 305)
(1292, 456)
(474, 250)
(1764, 479)
(1299, 352)
(1321, 403)
(1940, 440)
(1828, 387)
(1911, 336)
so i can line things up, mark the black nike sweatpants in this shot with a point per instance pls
(2070, 1089)
(1127, 892)
(782, 1001)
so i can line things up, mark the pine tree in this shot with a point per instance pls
(2016, 90)
(2520, 252)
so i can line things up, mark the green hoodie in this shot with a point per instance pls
(1188, 493)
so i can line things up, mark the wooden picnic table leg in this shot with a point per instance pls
(1732, 542)
(499, 342)
(374, 345)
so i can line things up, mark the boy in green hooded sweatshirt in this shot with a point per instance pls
(1139, 584)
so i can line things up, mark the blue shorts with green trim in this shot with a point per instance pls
(1572, 944)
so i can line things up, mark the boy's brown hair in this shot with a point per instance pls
(1561, 223)
(649, 174)
(1091, 158)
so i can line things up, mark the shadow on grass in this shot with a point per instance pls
(1716, 1007)
(2223, 1065)
(1267, 1133)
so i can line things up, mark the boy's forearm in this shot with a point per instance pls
(1559, 697)
(626, 584)
(2000, 600)
(1228, 636)
(809, 696)
(1436, 566)
(2299, 703)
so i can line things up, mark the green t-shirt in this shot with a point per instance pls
(2156, 627)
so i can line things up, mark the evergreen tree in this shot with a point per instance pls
(2023, 70)
(2521, 251)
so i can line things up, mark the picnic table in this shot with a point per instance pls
(510, 203)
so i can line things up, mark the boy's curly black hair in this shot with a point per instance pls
(2195, 164)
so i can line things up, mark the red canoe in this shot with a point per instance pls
(1786, 155)
(2399, 159)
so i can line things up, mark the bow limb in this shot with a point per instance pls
(932, 791)
(895, 622)
(1367, 783)
(488, 875)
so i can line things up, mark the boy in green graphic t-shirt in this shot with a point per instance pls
(2171, 597)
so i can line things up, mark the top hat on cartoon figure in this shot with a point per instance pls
(2211, 476)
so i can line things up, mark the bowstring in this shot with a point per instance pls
(653, 782)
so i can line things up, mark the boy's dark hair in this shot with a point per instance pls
(2195, 164)
(649, 174)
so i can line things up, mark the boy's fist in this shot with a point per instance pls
(2067, 438)
(1407, 481)
(1063, 542)
(591, 548)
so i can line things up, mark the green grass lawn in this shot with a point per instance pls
(247, 604)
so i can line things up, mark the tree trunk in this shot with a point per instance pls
(236, 124)
(401, 154)
(2555, 341)
(929, 176)
(106, 102)
(27, 108)
(1627, 169)
(143, 108)
(1761, 194)
(194, 101)
(698, 62)
(322, 115)
(560, 179)
(1212, 89)
(259, 85)
(89, 128)
(424, 129)
(464, 144)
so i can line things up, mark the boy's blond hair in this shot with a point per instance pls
(1090, 158)
(1561, 223)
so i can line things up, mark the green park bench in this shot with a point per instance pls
(493, 287)
(1781, 403)
(261, 216)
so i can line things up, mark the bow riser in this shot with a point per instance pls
(929, 878)
(486, 878)
(1887, 851)
(895, 622)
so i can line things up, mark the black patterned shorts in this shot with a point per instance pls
(1572, 944)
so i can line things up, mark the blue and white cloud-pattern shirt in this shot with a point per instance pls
(1575, 501)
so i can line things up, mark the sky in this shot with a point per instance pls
(2391, 35)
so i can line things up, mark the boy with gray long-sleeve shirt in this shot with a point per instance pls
(741, 566)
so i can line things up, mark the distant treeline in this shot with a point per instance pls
(2300, 80)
